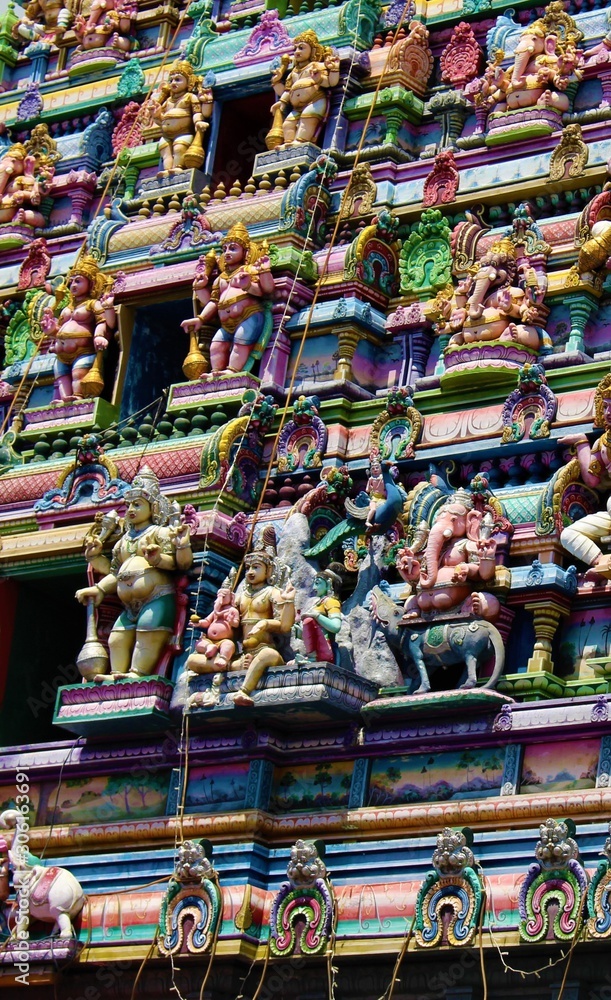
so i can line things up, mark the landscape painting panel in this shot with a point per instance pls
(312, 786)
(430, 777)
(104, 798)
(217, 789)
(557, 767)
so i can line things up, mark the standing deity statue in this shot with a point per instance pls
(182, 107)
(155, 545)
(43, 19)
(302, 85)
(81, 333)
(583, 539)
(240, 300)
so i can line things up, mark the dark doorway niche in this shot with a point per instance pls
(244, 125)
(158, 349)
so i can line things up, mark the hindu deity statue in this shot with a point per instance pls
(81, 333)
(43, 19)
(239, 300)
(302, 85)
(154, 547)
(546, 60)
(319, 625)
(488, 304)
(447, 564)
(489, 90)
(26, 172)
(108, 25)
(584, 538)
(182, 108)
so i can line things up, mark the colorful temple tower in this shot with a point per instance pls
(305, 463)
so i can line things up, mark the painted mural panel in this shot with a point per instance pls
(217, 789)
(464, 774)
(557, 767)
(311, 786)
(104, 798)
(8, 794)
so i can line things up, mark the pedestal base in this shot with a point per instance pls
(95, 61)
(302, 154)
(186, 394)
(176, 183)
(81, 414)
(491, 362)
(120, 707)
(14, 237)
(307, 693)
(52, 950)
(394, 703)
(523, 123)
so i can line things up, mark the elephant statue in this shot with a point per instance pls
(55, 896)
(439, 645)
(448, 562)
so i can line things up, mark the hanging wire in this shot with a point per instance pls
(321, 277)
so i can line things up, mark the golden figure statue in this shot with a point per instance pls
(183, 106)
(302, 85)
(154, 545)
(81, 333)
(26, 172)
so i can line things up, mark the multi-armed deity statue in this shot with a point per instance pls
(529, 98)
(182, 107)
(154, 546)
(26, 172)
(497, 315)
(43, 20)
(302, 85)
(262, 610)
(239, 300)
(108, 26)
(81, 332)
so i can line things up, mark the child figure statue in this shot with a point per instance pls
(183, 106)
(214, 653)
(302, 86)
(376, 488)
(320, 625)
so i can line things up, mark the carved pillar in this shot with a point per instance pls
(546, 614)
(581, 306)
(347, 342)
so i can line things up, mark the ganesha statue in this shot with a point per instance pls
(496, 318)
(531, 97)
(105, 35)
(26, 175)
(449, 563)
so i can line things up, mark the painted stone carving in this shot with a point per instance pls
(302, 83)
(557, 880)
(570, 156)
(26, 172)
(530, 98)
(486, 91)
(53, 895)
(599, 901)
(36, 266)
(303, 439)
(182, 108)
(44, 20)
(302, 910)
(410, 60)
(449, 902)
(441, 185)
(192, 906)
(593, 239)
(93, 480)
(461, 57)
(31, 104)
(319, 626)
(497, 315)
(81, 332)
(232, 454)
(397, 429)
(425, 263)
(373, 257)
(360, 195)
(214, 652)
(269, 38)
(153, 548)
(105, 35)
(583, 538)
(531, 406)
(265, 602)
(239, 299)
